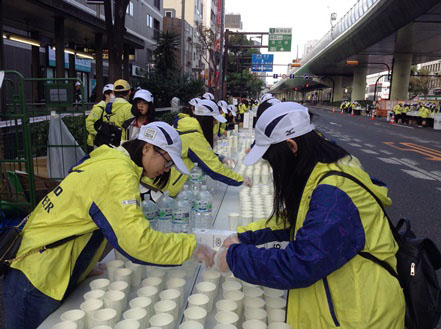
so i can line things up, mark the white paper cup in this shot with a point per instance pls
(231, 278)
(226, 305)
(208, 289)
(116, 300)
(271, 292)
(253, 292)
(255, 313)
(177, 273)
(163, 321)
(120, 256)
(226, 317)
(275, 302)
(211, 276)
(65, 325)
(247, 219)
(254, 303)
(233, 220)
(179, 284)
(94, 294)
(103, 326)
(139, 314)
(112, 266)
(99, 284)
(156, 272)
(197, 314)
(276, 315)
(122, 286)
(198, 300)
(104, 316)
(77, 316)
(153, 282)
(231, 285)
(123, 274)
(142, 302)
(279, 325)
(236, 296)
(254, 324)
(137, 273)
(151, 292)
(171, 294)
(224, 326)
(191, 325)
(128, 324)
(166, 306)
(90, 306)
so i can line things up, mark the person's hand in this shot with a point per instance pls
(99, 269)
(228, 162)
(232, 239)
(248, 150)
(221, 260)
(247, 181)
(205, 254)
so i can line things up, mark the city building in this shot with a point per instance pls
(382, 81)
(29, 39)
(233, 22)
(434, 68)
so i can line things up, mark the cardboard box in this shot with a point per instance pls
(212, 238)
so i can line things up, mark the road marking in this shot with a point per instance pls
(417, 174)
(369, 145)
(344, 139)
(388, 160)
(431, 154)
(357, 140)
(436, 173)
(354, 144)
(409, 161)
(369, 151)
(405, 126)
(335, 124)
(386, 152)
(422, 171)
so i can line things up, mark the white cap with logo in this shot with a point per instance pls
(209, 108)
(144, 94)
(232, 109)
(194, 101)
(209, 96)
(166, 138)
(224, 106)
(278, 123)
(108, 87)
(265, 97)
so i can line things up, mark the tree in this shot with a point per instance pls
(166, 52)
(115, 28)
(208, 42)
(419, 84)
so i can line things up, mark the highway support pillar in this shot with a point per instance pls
(339, 89)
(400, 76)
(359, 84)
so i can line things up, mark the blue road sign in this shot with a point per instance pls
(292, 76)
(275, 76)
(262, 62)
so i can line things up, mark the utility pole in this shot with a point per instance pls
(182, 38)
(221, 57)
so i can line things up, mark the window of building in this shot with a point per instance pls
(149, 21)
(129, 10)
(156, 28)
(158, 4)
(168, 14)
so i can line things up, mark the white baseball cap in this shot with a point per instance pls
(278, 123)
(194, 101)
(209, 108)
(145, 95)
(232, 109)
(224, 106)
(166, 138)
(108, 87)
(209, 96)
(265, 97)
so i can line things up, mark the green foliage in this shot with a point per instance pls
(245, 84)
(166, 51)
(419, 85)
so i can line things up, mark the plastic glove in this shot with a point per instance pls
(204, 253)
(232, 239)
(247, 181)
(220, 261)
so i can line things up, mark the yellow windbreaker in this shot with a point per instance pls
(93, 116)
(99, 201)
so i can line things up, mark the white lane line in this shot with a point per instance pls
(409, 161)
(417, 174)
(386, 152)
(439, 188)
(369, 151)
(344, 139)
(387, 160)
(422, 171)
(436, 173)
(354, 144)
(370, 145)
(335, 124)
(357, 140)
(404, 126)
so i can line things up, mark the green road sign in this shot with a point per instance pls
(279, 39)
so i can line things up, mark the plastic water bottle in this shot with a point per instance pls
(205, 200)
(196, 174)
(181, 217)
(151, 211)
(166, 206)
(203, 220)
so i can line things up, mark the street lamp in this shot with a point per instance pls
(333, 20)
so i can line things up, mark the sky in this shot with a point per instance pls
(309, 20)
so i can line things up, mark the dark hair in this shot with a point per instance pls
(151, 112)
(291, 171)
(245, 102)
(107, 92)
(262, 107)
(122, 94)
(187, 110)
(206, 123)
(134, 147)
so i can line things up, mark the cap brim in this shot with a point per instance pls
(224, 110)
(220, 118)
(179, 164)
(255, 154)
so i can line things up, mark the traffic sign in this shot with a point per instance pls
(292, 76)
(305, 76)
(262, 62)
(275, 76)
(279, 39)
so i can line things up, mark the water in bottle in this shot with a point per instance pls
(204, 200)
(151, 211)
(203, 220)
(181, 217)
(196, 174)
(166, 206)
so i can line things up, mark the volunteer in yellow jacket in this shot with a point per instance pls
(220, 128)
(97, 203)
(326, 222)
(143, 111)
(197, 141)
(95, 114)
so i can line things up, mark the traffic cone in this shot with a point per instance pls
(392, 120)
(352, 113)
(333, 110)
(341, 112)
(372, 116)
